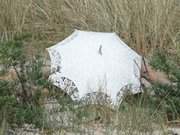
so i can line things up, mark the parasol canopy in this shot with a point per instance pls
(88, 62)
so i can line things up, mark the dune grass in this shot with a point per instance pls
(143, 24)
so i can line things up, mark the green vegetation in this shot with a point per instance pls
(17, 109)
(167, 95)
(20, 97)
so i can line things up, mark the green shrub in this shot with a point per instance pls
(16, 112)
(29, 114)
(11, 53)
(34, 71)
(167, 96)
(7, 99)
(20, 98)
(159, 61)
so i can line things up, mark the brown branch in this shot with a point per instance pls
(22, 82)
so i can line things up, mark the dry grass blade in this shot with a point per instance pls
(144, 25)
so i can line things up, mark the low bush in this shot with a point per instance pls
(167, 96)
(21, 97)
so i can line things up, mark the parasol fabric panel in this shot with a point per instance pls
(95, 61)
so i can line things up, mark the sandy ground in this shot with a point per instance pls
(94, 130)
